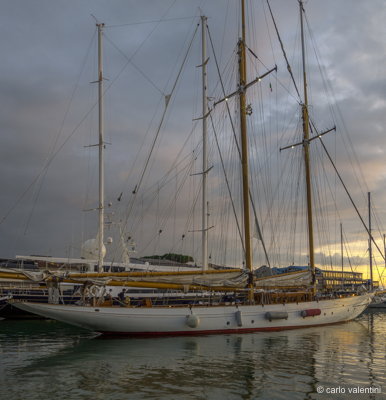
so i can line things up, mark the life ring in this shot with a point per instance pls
(94, 290)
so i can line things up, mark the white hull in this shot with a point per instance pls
(208, 319)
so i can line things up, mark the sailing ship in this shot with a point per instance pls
(254, 307)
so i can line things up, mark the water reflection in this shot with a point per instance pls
(279, 365)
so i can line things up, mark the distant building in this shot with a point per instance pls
(326, 279)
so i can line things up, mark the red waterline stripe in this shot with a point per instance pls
(214, 332)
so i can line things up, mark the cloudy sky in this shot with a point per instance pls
(48, 115)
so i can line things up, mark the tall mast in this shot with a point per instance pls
(306, 136)
(101, 148)
(384, 249)
(370, 244)
(341, 250)
(204, 149)
(244, 145)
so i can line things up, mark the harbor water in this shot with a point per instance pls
(45, 359)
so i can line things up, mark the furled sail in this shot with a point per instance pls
(291, 279)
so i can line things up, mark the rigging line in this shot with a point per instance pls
(138, 48)
(153, 196)
(184, 178)
(138, 153)
(378, 222)
(228, 68)
(131, 205)
(333, 194)
(322, 224)
(169, 208)
(256, 57)
(379, 274)
(376, 265)
(44, 174)
(224, 93)
(169, 99)
(269, 33)
(283, 50)
(349, 196)
(330, 157)
(164, 114)
(277, 79)
(175, 163)
(322, 70)
(134, 65)
(162, 223)
(224, 30)
(227, 184)
(181, 51)
(143, 42)
(269, 171)
(259, 233)
(191, 217)
(130, 58)
(347, 252)
(51, 159)
(343, 124)
(166, 179)
(237, 144)
(151, 21)
(73, 92)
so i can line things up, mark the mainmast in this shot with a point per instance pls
(101, 148)
(244, 145)
(306, 145)
(204, 148)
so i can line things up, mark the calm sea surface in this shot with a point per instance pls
(49, 360)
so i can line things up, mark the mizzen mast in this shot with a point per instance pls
(306, 149)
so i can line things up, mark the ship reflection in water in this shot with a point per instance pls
(46, 359)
